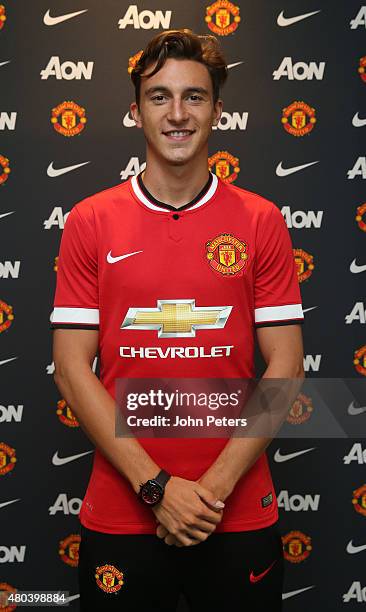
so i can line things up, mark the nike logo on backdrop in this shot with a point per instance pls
(233, 65)
(280, 458)
(308, 309)
(356, 268)
(71, 598)
(254, 578)
(357, 122)
(12, 501)
(287, 21)
(56, 460)
(351, 549)
(354, 410)
(112, 259)
(6, 214)
(292, 593)
(52, 172)
(51, 21)
(3, 63)
(286, 171)
(7, 360)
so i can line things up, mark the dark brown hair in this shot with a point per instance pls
(182, 44)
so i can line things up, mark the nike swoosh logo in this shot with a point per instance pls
(112, 259)
(51, 21)
(351, 549)
(356, 268)
(70, 598)
(233, 65)
(287, 21)
(292, 593)
(12, 501)
(280, 171)
(52, 172)
(254, 578)
(7, 360)
(280, 458)
(128, 121)
(354, 410)
(56, 460)
(6, 214)
(3, 63)
(308, 309)
(357, 122)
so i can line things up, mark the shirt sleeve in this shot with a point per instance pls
(76, 301)
(277, 298)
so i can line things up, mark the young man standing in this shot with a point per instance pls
(169, 275)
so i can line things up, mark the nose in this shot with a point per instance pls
(177, 111)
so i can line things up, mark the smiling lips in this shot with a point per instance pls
(178, 135)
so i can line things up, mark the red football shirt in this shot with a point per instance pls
(128, 266)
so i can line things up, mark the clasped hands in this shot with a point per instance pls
(188, 513)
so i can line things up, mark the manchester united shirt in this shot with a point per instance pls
(175, 293)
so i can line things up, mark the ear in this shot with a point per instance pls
(217, 111)
(134, 110)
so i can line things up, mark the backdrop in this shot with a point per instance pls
(292, 127)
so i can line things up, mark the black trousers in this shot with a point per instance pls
(228, 571)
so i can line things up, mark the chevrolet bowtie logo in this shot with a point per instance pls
(177, 318)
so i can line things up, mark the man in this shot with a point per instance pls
(141, 265)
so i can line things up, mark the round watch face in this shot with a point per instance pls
(151, 493)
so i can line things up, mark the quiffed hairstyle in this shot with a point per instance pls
(182, 44)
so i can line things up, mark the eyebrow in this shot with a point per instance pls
(161, 88)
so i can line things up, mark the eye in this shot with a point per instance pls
(195, 97)
(158, 99)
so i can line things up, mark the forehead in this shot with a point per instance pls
(178, 75)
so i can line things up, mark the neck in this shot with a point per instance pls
(176, 185)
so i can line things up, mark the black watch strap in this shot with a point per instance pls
(162, 478)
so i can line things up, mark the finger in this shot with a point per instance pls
(209, 498)
(206, 514)
(161, 531)
(197, 535)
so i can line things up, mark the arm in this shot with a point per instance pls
(282, 350)
(183, 509)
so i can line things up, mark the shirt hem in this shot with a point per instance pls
(140, 528)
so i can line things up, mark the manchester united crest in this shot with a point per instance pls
(360, 360)
(304, 264)
(361, 217)
(65, 414)
(132, 61)
(4, 169)
(222, 17)
(301, 410)
(2, 16)
(7, 459)
(6, 316)
(362, 68)
(225, 166)
(5, 590)
(69, 550)
(359, 500)
(108, 578)
(227, 254)
(296, 546)
(298, 119)
(68, 118)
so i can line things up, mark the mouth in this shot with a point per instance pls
(178, 135)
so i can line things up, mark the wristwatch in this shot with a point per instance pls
(152, 491)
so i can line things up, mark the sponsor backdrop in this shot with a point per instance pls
(295, 114)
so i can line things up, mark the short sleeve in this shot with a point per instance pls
(277, 298)
(76, 303)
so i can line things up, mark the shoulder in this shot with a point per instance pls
(98, 202)
(253, 203)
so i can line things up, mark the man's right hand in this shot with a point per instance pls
(188, 511)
